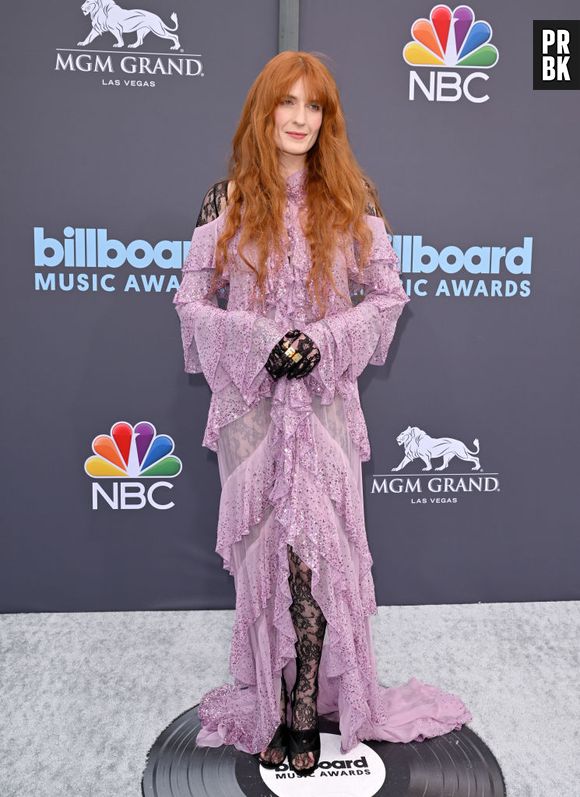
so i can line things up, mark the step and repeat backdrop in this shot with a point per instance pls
(116, 121)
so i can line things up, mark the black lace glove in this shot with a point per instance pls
(278, 362)
(310, 357)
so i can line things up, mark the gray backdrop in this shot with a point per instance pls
(126, 140)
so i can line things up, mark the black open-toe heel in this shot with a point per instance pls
(280, 738)
(305, 741)
(279, 742)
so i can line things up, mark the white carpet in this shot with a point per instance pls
(84, 696)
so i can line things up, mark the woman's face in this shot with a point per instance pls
(296, 114)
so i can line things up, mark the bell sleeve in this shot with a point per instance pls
(227, 346)
(351, 339)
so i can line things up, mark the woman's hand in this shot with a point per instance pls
(305, 356)
(310, 357)
(278, 362)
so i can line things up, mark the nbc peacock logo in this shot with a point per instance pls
(450, 40)
(129, 453)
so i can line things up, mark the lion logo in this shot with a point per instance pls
(418, 445)
(106, 15)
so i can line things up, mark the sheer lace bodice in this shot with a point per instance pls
(214, 203)
(215, 200)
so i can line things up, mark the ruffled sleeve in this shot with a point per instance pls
(353, 338)
(228, 346)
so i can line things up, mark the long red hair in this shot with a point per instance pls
(337, 189)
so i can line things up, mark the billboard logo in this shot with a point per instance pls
(128, 453)
(359, 772)
(448, 41)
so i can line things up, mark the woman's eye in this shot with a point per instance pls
(314, 105)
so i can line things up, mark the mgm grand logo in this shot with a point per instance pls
(451, 456)
(109, 21)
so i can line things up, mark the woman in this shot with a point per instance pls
(286, 239)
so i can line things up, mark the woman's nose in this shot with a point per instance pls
(300, 113)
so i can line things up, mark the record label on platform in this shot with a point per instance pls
(360, 772)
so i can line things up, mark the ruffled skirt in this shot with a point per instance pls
(291, 475)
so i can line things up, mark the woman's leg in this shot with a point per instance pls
(273, 754)
(310, 625)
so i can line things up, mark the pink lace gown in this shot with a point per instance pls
(289, 455)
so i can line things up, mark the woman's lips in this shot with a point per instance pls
(297, 135)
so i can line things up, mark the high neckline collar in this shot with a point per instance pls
(295, 183)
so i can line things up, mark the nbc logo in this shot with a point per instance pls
(448, 41)
(129, 453)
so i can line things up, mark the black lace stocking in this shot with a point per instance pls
(275, 754)
(310, 626)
